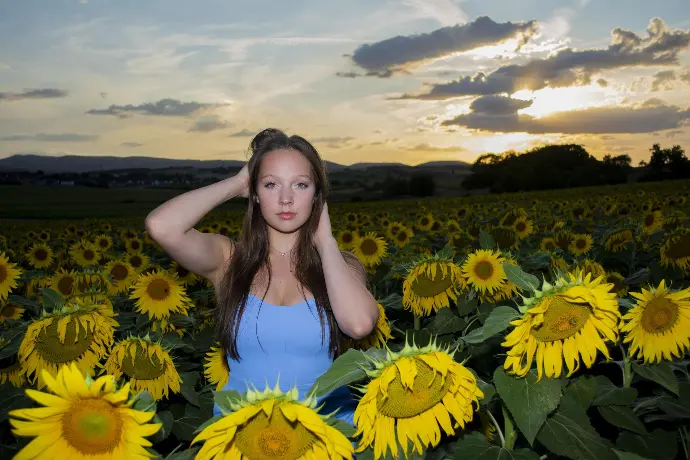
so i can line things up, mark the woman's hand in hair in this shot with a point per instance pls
(323, 232)
(243, 177)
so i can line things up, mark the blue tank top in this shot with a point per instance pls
(283, 344)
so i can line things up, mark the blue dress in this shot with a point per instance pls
(284, 342)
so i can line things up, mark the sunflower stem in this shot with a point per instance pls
(683, 440)
(627, 368)
(417, 323)
(498, 428)
(509, 428)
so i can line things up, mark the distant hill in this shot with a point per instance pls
(81, 164)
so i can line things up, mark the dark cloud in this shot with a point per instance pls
(244, 133)
(603, 83)
(646, 118)
(46, 93)
(164, 107)
(663, 80)
(673, 133)
(131, 145)
(209, 123)
(570, 67)
(498, 105)
(56, 137)
(383, 58)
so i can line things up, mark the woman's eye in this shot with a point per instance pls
(302, 185)
(267, 185)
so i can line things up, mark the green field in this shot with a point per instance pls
(31, 202)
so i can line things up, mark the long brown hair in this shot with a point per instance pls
(251, 250)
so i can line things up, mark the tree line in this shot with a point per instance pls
(570, 165)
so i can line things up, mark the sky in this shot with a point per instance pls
(406, 81)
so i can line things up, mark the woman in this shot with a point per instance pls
(288, 299)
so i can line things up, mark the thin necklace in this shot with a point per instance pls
(283, 253)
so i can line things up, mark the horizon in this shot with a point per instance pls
(405, 81)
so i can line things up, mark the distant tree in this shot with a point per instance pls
(668, 163)
(422, 184)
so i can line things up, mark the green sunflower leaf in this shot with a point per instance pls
(188, 454)
(486, 241)
(628, 455)
(569, 433)
(475, 446)
(498, 320)
(519, 278)
(189, 379)
(660, 373)
(529, 402)
(445, 322)
(609, 394)
(622, 417)
(658, 445)
(223, 398)
(52, 299)
(346, 369)
(582, 389)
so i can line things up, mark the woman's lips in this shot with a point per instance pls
(286, 215)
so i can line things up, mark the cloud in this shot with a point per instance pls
(45, 93)
(57, 137)
(131, 145)
(673, 133)
(497, 117)
(426, 147)
(332, 142)
(395, 54)
(209, 123)
(165, 107)
(445, 12)
(668, 79)
(244, 133)
(570, 67)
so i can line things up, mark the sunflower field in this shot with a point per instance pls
(525, 326)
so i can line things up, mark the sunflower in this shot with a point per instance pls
(147, 365)
(83, 419)
(563, 240)
(184, 276)
(159, 295)
(403, 237)
(590, 266)
(452, 226)
(10, 311)
(523, 227)
(505, 238)
(137, 260)
(120, 275)
(134, 245)
(547, 244)
(659, 324)
(430, 282)
(13, 374)
(618, 286)
(393, 228)
(411, 395)
(104, 242)
(675, 251)
(571, 319)
(84, 253)
(652, 222)
(9, 274)
(581, 244)
(273, 424)
(40, 255)
(369, 249)
(483, 271)
(425, 222)
(381, 333)
(80, 332)
(216, 367)
(616, 241)
(507, 291)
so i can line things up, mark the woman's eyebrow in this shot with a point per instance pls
(299, 175)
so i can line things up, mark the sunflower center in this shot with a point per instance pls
(136, 261)
(135, 245)
(41, 254)
(89, 254)
(424, 286)
(52, 350)
(264, 438)
(520, 226)
(119, 272)
(402, 236)
(181, 271)
(562, 319)
(649, 220)
(678, 248)
(581, 243)
(660, 315)
(8, 311)
(92, 426)
(427, 390)
(368, 247)
(549, 245)
(65, 285)
(103, 243)
(484, 270)
(142, 367)
(3, 273)
(158, 289)
(347, 237)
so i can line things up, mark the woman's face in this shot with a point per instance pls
(285, 185)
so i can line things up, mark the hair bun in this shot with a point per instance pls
(265, 136)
